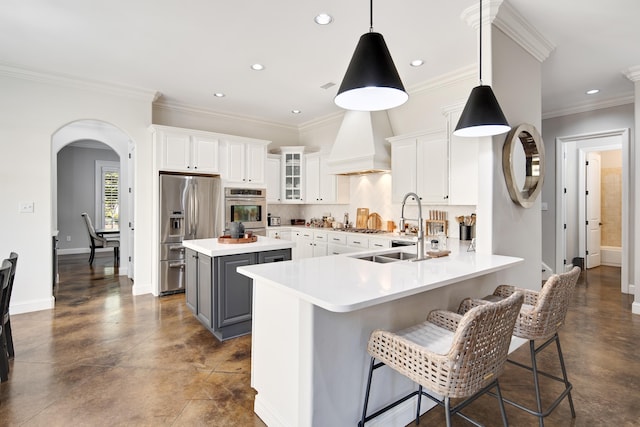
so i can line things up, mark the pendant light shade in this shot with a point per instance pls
(371, 82)
(482, 115)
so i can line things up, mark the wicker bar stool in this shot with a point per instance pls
(541, 316)
(450, 355)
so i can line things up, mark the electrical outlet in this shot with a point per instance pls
(68, 238)
(26, 207)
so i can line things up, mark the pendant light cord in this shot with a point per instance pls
(370, 16)
(480, 67)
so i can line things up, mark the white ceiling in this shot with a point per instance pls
(187, 50)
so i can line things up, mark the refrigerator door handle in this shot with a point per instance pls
(194, 211)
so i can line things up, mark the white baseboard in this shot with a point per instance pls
(142, 289)
(33, 305)
(635, 307)
(75, 251)
(611, 255)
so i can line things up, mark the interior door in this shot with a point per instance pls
(593, 209)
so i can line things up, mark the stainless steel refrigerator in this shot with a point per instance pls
(191, 207)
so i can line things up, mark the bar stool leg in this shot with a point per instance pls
(534, 368)
(447, 410)
(503, 412)
(564, 376)
(419, 401)
(366, 395)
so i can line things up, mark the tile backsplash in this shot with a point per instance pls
(372, 192)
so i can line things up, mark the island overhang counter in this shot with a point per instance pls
(312, 319)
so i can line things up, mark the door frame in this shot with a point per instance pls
(586, 142)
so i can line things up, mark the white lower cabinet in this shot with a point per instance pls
(377, 243)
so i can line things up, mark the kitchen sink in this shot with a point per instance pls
(389, 257)
(400, 255)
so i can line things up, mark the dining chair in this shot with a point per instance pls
(100, 241)
(541, 316)
(5, 273)
(6, 319)
(450, 355)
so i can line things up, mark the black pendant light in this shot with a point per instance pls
(371, 82)
(482, 115)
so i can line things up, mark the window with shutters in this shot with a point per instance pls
(107, 195)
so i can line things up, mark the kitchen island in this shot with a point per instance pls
(219, 297)
(312, 319)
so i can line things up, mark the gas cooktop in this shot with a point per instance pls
(361, 230)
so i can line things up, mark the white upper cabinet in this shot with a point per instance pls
(419, 164)
(246, 161)
(273, 178)
(292, 175)
(432, 169)
(182, 150)
(322, 187)
(463, 162)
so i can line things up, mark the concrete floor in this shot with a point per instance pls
(105, 357)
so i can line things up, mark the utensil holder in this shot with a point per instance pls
(467, 232)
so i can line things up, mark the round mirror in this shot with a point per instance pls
(523, 164)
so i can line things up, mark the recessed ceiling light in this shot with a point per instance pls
(417, 62)
(296, 111)
(219, 95)
(592, 91)
(257, 67)
(323, 19)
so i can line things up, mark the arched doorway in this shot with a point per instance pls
(118, 141)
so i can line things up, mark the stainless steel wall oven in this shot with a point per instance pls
(247, 205)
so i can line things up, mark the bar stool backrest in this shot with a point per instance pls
(550, 309)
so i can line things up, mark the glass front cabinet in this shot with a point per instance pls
(292, 173)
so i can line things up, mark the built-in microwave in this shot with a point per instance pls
(247, 205)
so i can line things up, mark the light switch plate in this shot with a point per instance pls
(26, 207)
(544, 206)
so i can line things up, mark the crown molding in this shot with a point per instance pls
(513, 24)
(592, 106)
(16, 72)
(447, 79)
(191, 109)
(632, 73)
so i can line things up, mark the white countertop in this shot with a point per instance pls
(343, 283)
(212, 248)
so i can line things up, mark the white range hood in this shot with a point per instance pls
(361, 146)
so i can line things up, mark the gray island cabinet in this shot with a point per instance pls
(220, 297)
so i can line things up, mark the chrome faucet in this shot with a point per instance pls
(421, 253)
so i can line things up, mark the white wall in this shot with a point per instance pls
(31, 111)
(513, 230)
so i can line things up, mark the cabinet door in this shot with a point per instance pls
(433, 170)
(205, 291)
(274, 256)
(463, 171)
(256, 161)
(320, 249)
(236, 164)
(403, 169)
(233, 290)
(292, 181)
(205, 154)
(176, 152)
(273, 174)
(312, 178)
(191, 280)
(304, 246)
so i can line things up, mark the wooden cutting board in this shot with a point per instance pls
(362, 217)
(375, 221)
